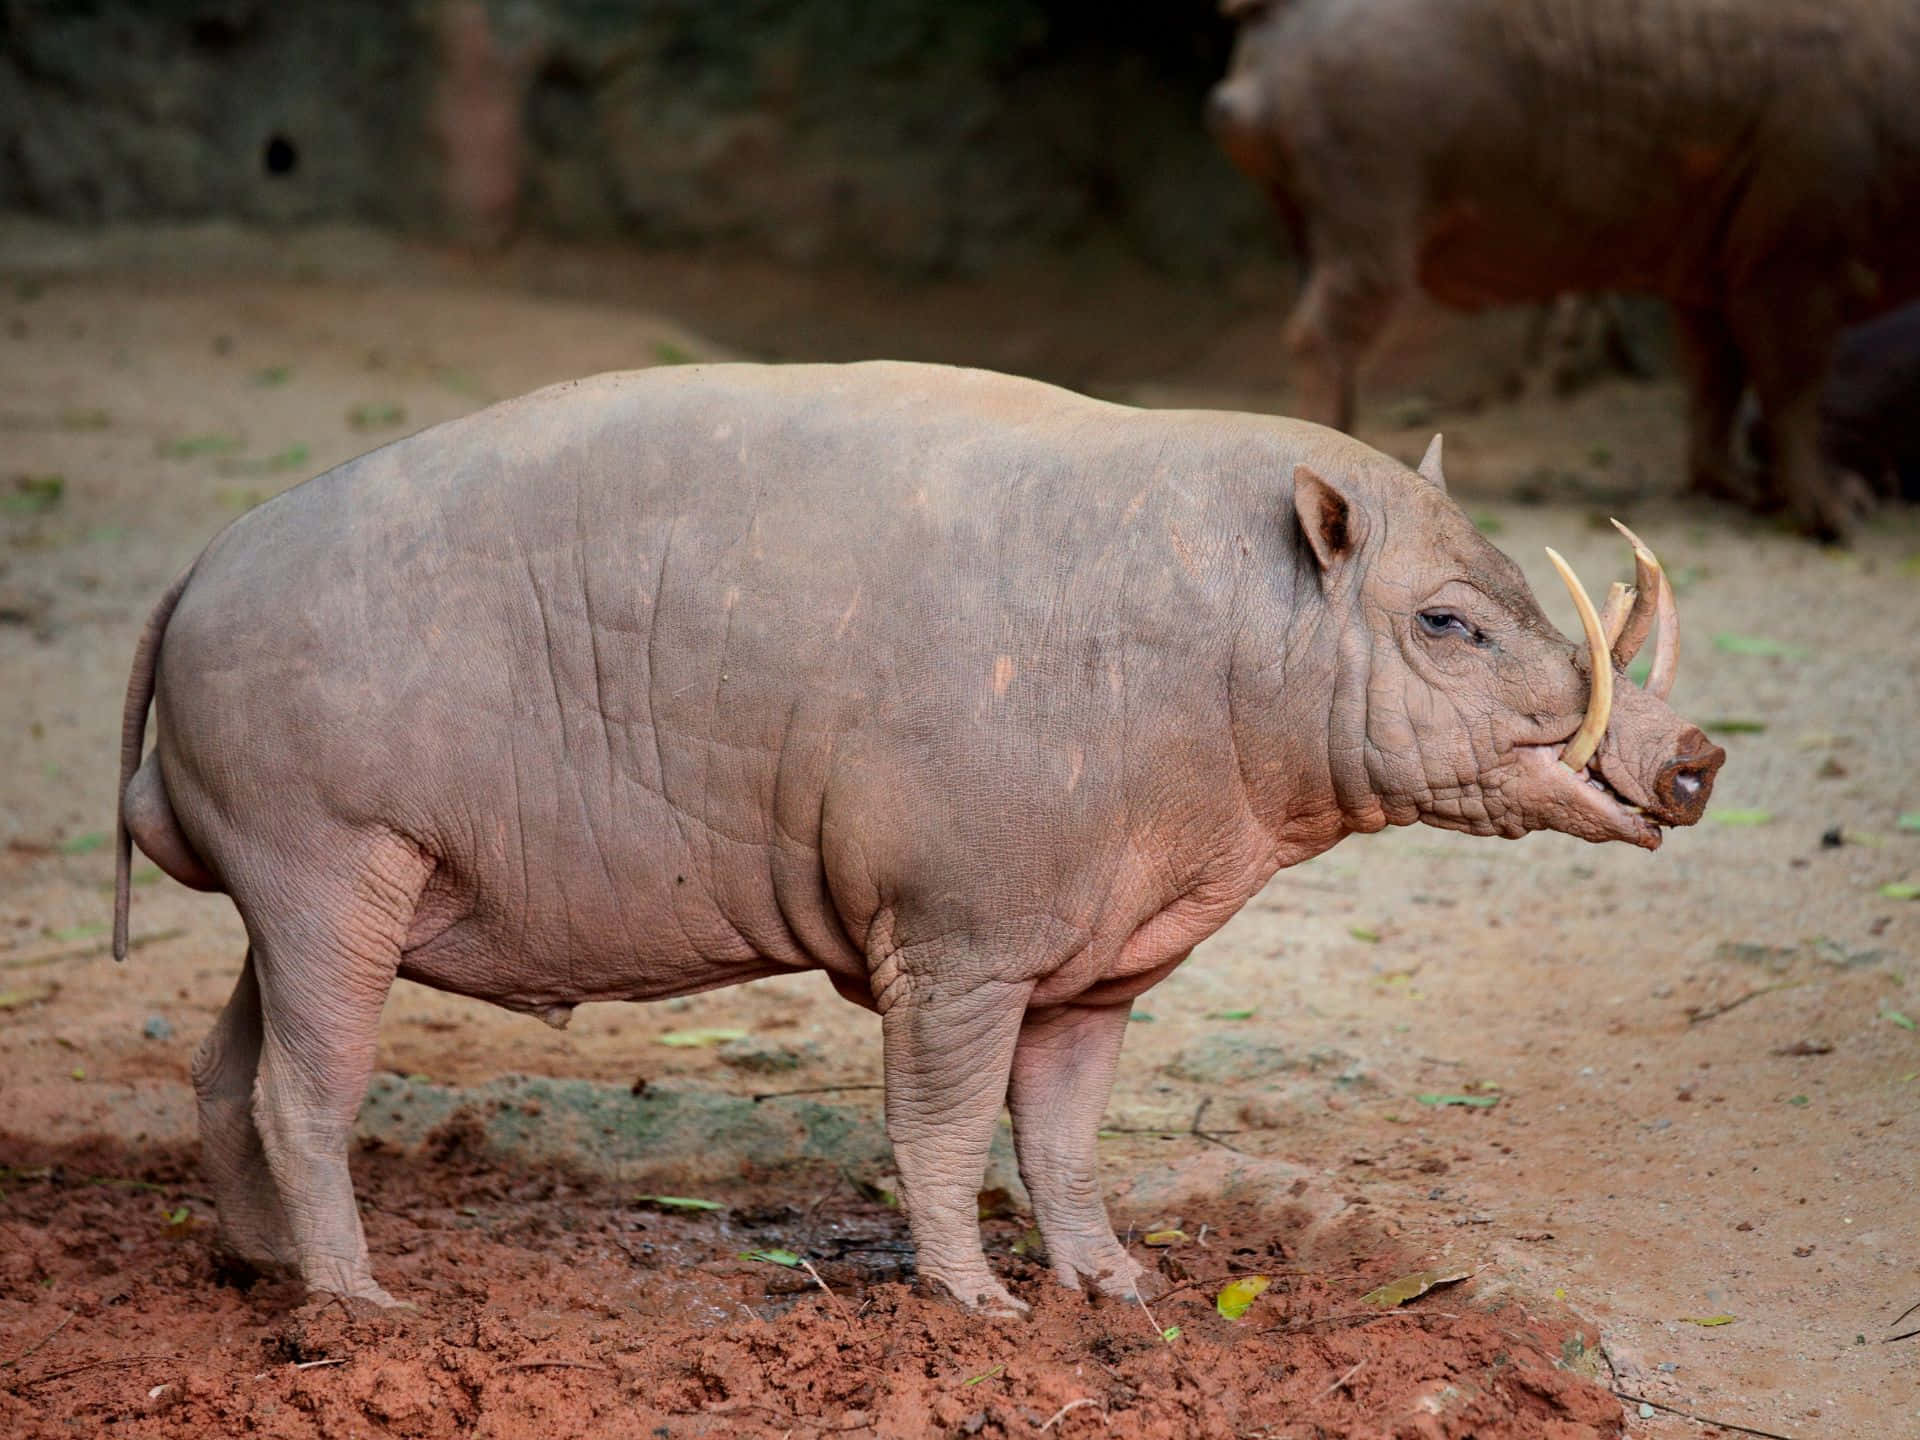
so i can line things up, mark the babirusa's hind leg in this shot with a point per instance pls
(326, 961)
(252, 1224)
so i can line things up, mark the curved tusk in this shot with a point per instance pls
(1613, 614)
(1646, 577)
(1666, 644)
(1600, 696)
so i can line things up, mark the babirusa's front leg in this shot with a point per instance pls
(948, 1051)
(1062, 1074)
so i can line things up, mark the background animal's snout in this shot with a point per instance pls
(1682, 787)
(1231, 109)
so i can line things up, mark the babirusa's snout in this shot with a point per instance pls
(1684, 783)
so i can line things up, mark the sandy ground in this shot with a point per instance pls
(1707, 1085)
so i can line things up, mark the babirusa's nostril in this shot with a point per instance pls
(1686, 785)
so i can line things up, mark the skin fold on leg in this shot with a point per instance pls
(947, 1054)
(1062, 1075)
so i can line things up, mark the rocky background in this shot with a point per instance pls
(924, 136)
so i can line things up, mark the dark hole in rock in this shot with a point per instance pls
(280, 156)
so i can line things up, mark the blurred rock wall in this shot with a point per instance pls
(913, 134)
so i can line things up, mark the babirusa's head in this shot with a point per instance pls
(1458, 703)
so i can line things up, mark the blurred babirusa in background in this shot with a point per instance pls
(1754, 162)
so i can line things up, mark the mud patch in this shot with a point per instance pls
(556, 1302)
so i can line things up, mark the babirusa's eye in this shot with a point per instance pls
(1445, 622)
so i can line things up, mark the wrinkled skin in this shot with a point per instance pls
(987, 699)
(1754, 162)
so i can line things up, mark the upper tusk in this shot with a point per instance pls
(1626, 643)
(1666, 644)
(1600, 694)
(1613, 614)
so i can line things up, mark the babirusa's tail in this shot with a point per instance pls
(133, 737)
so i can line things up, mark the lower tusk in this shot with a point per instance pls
(1626, 642)
(1600, 694)
(1666, 644)
(1613, 614)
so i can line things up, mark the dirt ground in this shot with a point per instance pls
(1702, 1066)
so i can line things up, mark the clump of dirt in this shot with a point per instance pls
(554, 1303)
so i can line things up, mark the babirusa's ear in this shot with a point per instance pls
(1333, 526)
(1430, 465)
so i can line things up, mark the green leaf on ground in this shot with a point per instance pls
(179, 1217)
(1797, 1100)
(1164, 1239)
(1903, 1021)
(460, 382)
(666, 352)
(26, 995)
(1909, 820)
(1236, 1295)
(1140, 1017)
(1231, 1015)
(1734, 727)
(273, 375)
(1411, 1287)
(294, 457)
(1729, 643)
(1707, 1320)
(677, 1202)
(773, 1257)
(1362, 932)
(693, 1039)
(1639, 670)
(1478, 1102)
(34, 494)
(87, 418)
(191, 447)
(84, 844)
(984, 1375)
(376, 416)
(1742, 819)
(1901, 890)
(1170, 1334)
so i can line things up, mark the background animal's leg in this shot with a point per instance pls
(324, 971)
(1715, 375)
(1342, 310)
(1788, 339)
(947, 1054)
(1062, 1075)
(252, 1224)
